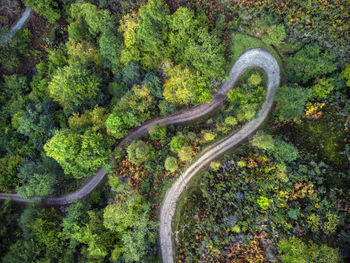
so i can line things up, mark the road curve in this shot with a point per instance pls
(253, 57)
(17, 26)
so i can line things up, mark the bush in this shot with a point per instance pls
(274, 35)
(322, 88)
(176, 143)
(263, 141)
(47, 8)
(255, 79)
(293, 250)
(139, 152)
(170, 164)
(231, 121)
(291, 102)
(157, 132)
(186, 153)
(310, 63)
(209, 136)
(285, 152)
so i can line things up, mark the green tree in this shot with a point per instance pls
(94, 119)
(131, 73)
(322, 88)
(40, 226)
(186, 153)
(192, 44)
(136, 104)
(294, 250)
(310, 62)
(182, 85)
(116, 125)
(346, 74)
(177, 142)
(263, 141)
(139, 152)
(154, 84)
(128, 217)
(37, 122)
(157, 132)
(274, 35)
(14, 51)
(75, 86)
(170, 164)
(8, 172)
(80, 155)
(151, 33)
(291, 102)
(98, 239)
(74, 221)
(88, 15)
(109, 43)
(166, 108)
(284, 152)
(47, 8)
(38, 185)
(130, 51)
(38, 178)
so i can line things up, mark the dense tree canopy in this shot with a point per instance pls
(291, 102)
(80, 155)
(74, 87)
(81, 75)
(310, 62)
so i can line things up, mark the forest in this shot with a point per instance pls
(106, 106)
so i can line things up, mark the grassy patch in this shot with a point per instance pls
(242, 42)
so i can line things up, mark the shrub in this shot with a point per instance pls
(176, 143)
(285, 152)
(263, 141)
(264, 202)
(157, 132)
(310, 62)
(186, 153)
(170, 164)
(231, 121)
(47, 8)
(346, 74)
(274, 35)
(209, 136)
(322, 88)
(291, 102)
(215, 166)
(255, 79)
(139, 152)
(293, 250)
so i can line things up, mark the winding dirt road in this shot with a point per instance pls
(253, 57)
(17, 26)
